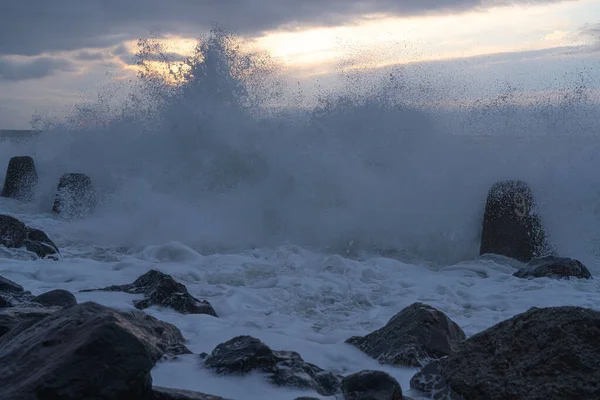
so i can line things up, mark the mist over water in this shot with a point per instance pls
(227, 160)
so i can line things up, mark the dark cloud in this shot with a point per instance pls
(37, 26)
(35, 68)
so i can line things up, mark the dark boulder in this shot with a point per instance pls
(166, 337)
(56, 298)
(15, 234)
(17, 319)
(21, 179)
(413, 337)
(12, 294)
(162, 290)
(75, 196)
(511, 224)
(162, 393)
(8, 286)
(554, 267)
(544, 353)
(244, 354)
(371, 385)
(86, 351)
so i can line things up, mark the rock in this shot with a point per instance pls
(8, 286)
(12, 294)
(167, 337)
(24, 317)
(21, 179)
(75, 196)
(544, 353)
(15, 234)
(413, 337)
(48, 360)
(371, 385)
(554, 267)
(244, 354)
(56, 298)
(306, 398)
(162, 393)
(162, 290)
(511, 225)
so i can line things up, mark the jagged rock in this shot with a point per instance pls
(162, 290)
(21, 179)
(244, 354)
(56, 298)
(371, 385)
(413, 337)
(15, 234)
(511, 224)
(75, 196)
(554, 267)
(544, 353)
(162, 393)
(48, 359)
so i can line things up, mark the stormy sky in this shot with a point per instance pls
(52, 52)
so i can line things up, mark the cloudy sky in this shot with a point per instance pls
(54, 53)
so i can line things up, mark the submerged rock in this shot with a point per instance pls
(15, 234)
(413, 337)
(162, 290)
(371, 385)
(554, 267)
(544, 353)
(21, 179)
(511, 224)
(75, 196)
(244, 354)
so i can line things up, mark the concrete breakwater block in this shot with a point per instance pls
(511, 225)
(21, 179)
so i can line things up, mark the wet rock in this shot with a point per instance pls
(8, 286)
(17, 319)
(544, 353)
(306, 398)
(12, 294)
(167, 338)
(162, 290)
(244, 354)
(56, 298)
(554, 267)
(15, 234)
(371, 385)
(413, 337)
(162, 393)
(75, 196)
(21, 179)
(511, 224)
(48, 359)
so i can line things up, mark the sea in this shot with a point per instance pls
(305, 222)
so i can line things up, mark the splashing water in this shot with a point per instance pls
(212, 157)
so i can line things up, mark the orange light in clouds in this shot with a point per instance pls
(380, 40)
